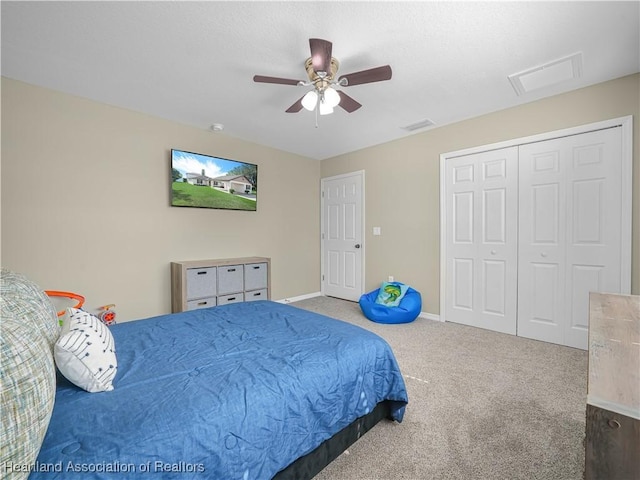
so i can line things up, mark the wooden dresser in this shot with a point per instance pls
(612, 445)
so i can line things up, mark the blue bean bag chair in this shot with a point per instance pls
(408, 310)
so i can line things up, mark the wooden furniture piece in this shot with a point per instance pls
(208, 283)
(613, 396)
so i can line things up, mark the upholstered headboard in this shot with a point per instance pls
(28, 331)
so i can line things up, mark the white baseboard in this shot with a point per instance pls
(299, 297)
(430, 316)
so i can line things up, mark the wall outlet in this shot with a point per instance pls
(391, 278)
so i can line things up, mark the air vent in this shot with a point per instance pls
(551, 73)
(418, 125)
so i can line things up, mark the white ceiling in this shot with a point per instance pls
(193, 62)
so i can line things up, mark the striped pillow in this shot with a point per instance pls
(85, 353)
(28, 375)
(28, 378)
(22, 297)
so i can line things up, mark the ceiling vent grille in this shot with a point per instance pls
(418, 125)
(551, 73)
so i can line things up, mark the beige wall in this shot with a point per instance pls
(402, 178)
(85, 203)
(85, 196)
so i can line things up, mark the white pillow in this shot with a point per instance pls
(85, 353)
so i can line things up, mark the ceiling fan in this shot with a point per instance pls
(321, 69)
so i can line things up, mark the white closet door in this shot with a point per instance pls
(569, 233)
(481, 258)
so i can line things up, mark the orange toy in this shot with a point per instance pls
(74, 296)
(107, 315)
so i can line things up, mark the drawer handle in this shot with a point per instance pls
(256, 268)
(613, 423)
(257, 294)
(202, 303)
(231, 298)
(204, 272)
(231, 270)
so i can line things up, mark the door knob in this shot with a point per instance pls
(357, 245)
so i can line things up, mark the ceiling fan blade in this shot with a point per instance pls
(296, 107)
(320, 54)
(281, 81)
(348, 103)
(377, 74)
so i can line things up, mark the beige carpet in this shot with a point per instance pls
(482, 405)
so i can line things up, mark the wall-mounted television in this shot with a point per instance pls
(203, 181)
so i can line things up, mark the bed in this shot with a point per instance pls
(252, 390)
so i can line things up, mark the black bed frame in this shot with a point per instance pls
(309, 465)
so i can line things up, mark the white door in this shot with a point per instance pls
(342, 235)
(569, 233)
(481, 239)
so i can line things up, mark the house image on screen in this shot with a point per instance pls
(237, 183)
(199, 179)
(227, 183)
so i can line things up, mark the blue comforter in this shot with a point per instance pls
(232, 392)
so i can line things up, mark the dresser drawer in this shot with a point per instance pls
(201, 282)
(201, 303)
(256, 295)
(230, 279)
(255, 276)
(233, 298)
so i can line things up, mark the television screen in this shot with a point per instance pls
(211, 182)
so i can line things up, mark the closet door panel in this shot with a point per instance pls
(570, 229)
(545, 212)
(463, 217)
(481, 276)
(497, 243)
(460, 263)
(594, 185)
(494, 281)
(541, 237)
(463, 284)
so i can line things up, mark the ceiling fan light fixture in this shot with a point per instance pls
(310, 100)
(325, 108)
(331, 97)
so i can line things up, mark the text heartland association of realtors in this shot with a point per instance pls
(100, 467)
